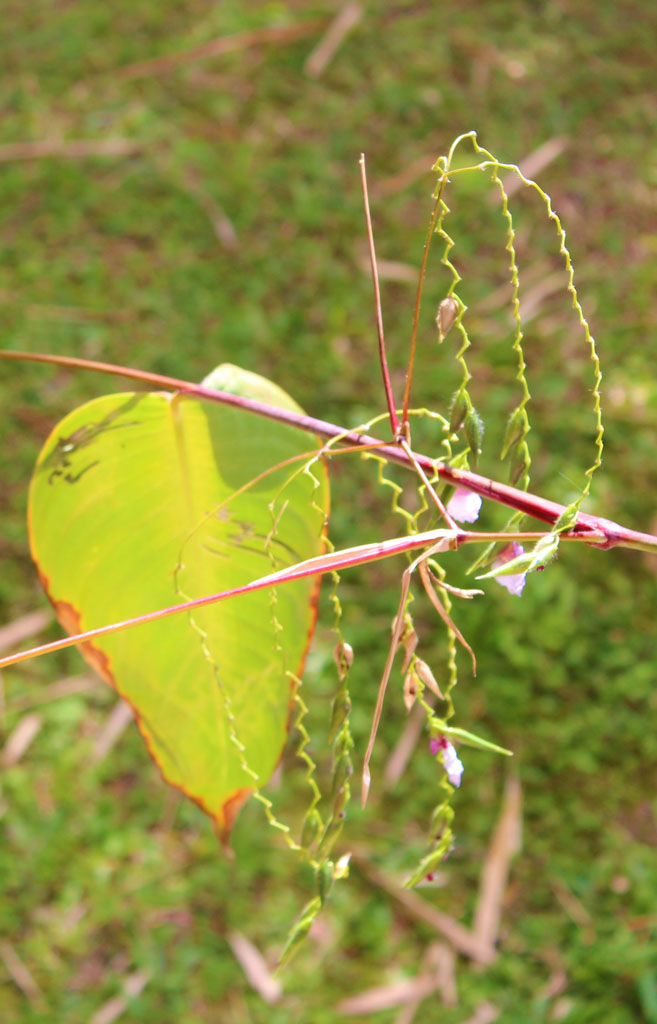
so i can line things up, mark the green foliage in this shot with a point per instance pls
(142, 501)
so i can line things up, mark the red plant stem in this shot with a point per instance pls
(610, 534)
(387, 386)
(316, 566)
(418, 302)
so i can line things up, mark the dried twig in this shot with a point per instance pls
(442, 959)
(391, 270)
(55, 691)
(116, 1006)
(532, 299)
(117, 721)
(407, 176)
(20, 629)
(399, 757)
(346, 19)
(20, 739)
(255, 968)
(218, 47)
(504, 844)
(69, 148)
(555, 985)
(532, 165)
(437, 974)
(21, 976)
(76, 314)
(221, 223)
(442, 611)
(463, 940)
(485, 1013)
(575, 909)
(383, 997)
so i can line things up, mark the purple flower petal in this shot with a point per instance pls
(514, 583)
(464, 505)
(453, 766)
(451, 763)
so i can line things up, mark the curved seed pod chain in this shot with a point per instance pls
(449, 488)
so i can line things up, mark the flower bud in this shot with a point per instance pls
(341, 773)
(343, 654)
(410, 690)
(311, 827)
(516, 429)
(458, 410)
(410, 643)
(339, 714)
(519, 464)
(448, 311)
(426, 676)
(324, 879)
(474, 434)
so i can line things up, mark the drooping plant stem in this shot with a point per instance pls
(595, 530)
(331, 562)
(438, 195)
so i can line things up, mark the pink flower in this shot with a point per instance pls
(514, 583)
(451, 763)
(464, 505)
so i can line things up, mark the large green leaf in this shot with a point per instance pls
(134, 506)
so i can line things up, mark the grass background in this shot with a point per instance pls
(229, 226)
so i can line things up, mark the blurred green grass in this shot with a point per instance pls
(104, 871)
